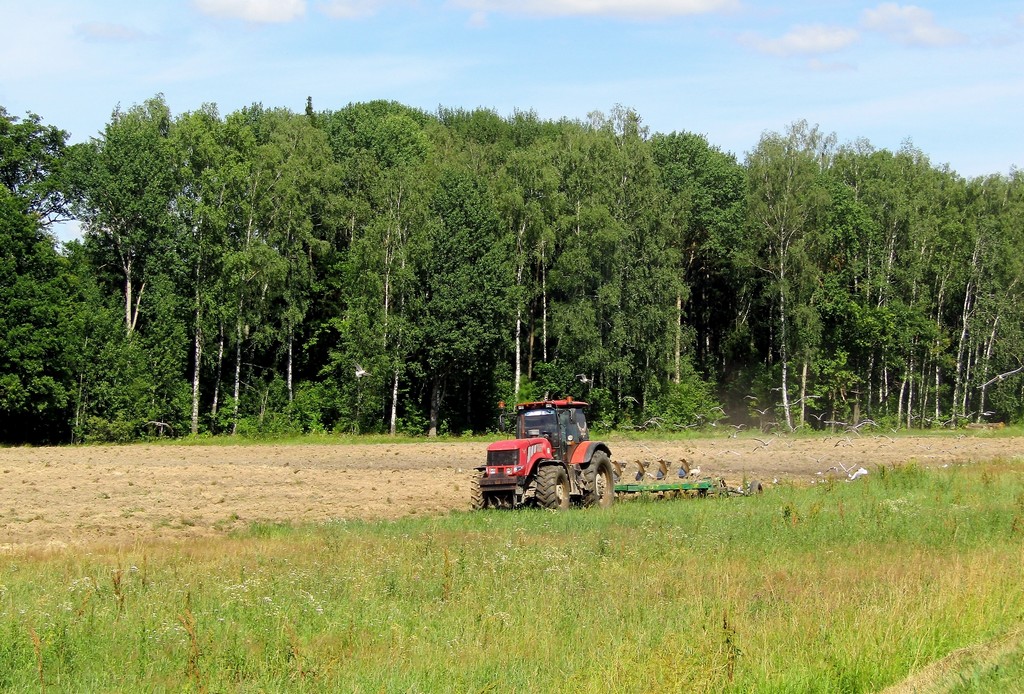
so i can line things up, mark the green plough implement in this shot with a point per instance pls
(659, 484)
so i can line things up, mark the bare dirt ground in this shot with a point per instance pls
(51, 498)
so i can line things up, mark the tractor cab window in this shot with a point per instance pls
(569, 427)
(534, 423)
(581, 423)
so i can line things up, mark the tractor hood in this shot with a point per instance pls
(521, 453)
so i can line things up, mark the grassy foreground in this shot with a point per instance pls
(842, 587)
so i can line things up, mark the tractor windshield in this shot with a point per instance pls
(534, 423)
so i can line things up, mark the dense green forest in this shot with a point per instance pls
(381, 268)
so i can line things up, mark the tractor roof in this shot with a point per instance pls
(546, 404)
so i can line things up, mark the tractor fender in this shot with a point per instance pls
(585, 452)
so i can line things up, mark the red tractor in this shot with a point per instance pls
(551, 462)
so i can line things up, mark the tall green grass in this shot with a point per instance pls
(843, 587)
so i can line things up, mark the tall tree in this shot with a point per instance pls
(466, 273)
(33, 166)
(528, 202)
(200, 206)
(128, 182)
(388, 148)
(704, 190)
(785, 201)
(39, 326)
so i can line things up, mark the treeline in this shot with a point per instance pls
(380, 268)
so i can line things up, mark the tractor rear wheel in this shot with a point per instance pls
(553, 487)
(600, 481)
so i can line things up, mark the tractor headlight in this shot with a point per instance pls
(515, 470)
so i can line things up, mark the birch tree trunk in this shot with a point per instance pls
(899, 405)
(131, 300)
(938, 349)
(288, 367)
(129, 322)
(197, 355)
(393, 425)
(197, 350)
(520, 268)
(679, 338)
(238, 373)
(219, 372)
(985, 370)
(958, 378)
(803, 393)
(519, 356)
(784, 356)
(544, 304)
(923, 390)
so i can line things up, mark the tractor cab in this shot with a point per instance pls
(562, 422)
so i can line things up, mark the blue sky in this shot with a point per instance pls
(947, 75)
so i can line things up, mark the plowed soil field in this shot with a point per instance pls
(52, 498)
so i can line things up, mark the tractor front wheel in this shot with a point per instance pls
(600, 482)
(553, 487)
(476, 495)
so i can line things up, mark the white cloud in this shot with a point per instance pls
(619, 8)
(263, 11)
(910, 25)
(811, 39)
(350, 9)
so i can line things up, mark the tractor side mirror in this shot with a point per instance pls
(506, 419)
(507, 422)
